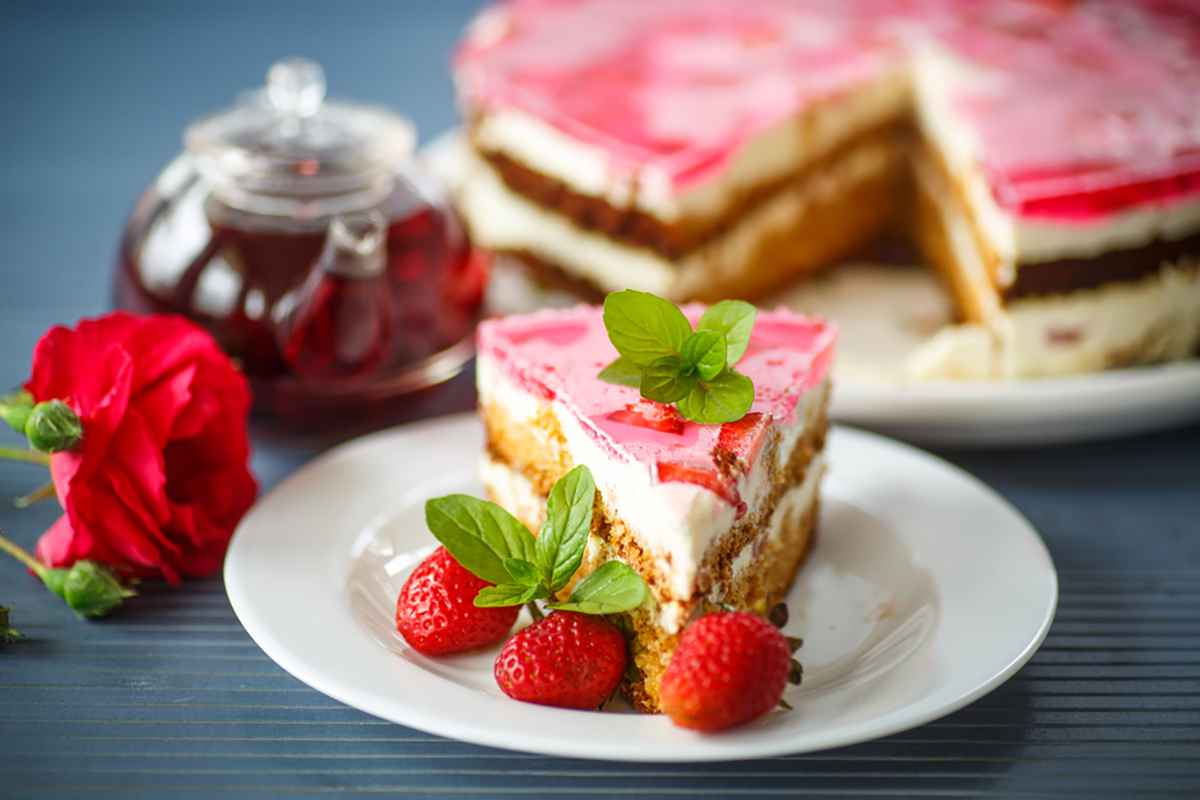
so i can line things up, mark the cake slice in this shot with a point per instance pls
(705, 513)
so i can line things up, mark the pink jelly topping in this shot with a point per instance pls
(557, 354)
(1086, 108)
(1083, 109)
(674, 84)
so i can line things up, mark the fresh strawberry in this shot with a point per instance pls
(729, 668)
(742, 439)
(436, 611)
(568, 659)
(649, 414)
(707, 476)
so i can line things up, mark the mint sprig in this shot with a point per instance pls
(668, 362)
(496, 547)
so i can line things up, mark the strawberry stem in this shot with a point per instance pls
(534, 611)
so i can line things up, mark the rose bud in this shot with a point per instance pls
(90, 589)
(15, 408)
(53, 427)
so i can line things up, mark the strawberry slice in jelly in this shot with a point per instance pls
(708, 477)
(649, 414)
(741, 440)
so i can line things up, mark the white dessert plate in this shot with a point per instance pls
(924, 592)
(885, 314)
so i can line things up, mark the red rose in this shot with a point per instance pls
(161, 477)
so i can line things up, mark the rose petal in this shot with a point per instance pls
(59, 545)
(136, 467)
(163, 402)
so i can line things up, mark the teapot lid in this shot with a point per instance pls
(285, 149)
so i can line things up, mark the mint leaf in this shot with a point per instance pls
(704, 351)
(522, 572)
(734, 319)
(725, 398)
(480, 535)
(508, 594)
(611, 589)
(643, 327)
(666, 380)
(564, 534)
(622, 372)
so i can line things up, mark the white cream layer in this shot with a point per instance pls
(1014, 238)
(513, 490)
(675, 522)
(1152, 320)
(773, 154)
(501, 219)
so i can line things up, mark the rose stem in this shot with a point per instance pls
(20, 555)
(41, 493)
(30, 456)
(534, 611)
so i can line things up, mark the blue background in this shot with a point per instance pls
(170, 697)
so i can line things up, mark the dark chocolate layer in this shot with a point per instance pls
(1115, 266)
(671, 240)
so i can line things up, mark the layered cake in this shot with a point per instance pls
(1044, 156)
(720, 514)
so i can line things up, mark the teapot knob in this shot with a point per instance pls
(296, 87)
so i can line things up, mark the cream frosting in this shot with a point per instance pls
(549, 360)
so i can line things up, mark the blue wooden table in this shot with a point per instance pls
(170, 698)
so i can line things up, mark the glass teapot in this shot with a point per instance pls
(304, 236)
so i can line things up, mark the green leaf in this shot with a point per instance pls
(523, 572)
(564, 534)
(480, 535)
(734, 319)
(622, 372)
(726, 398)
(611, 589)
(643, 327)
(705, 352)
(665, 380)
(508, 594)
